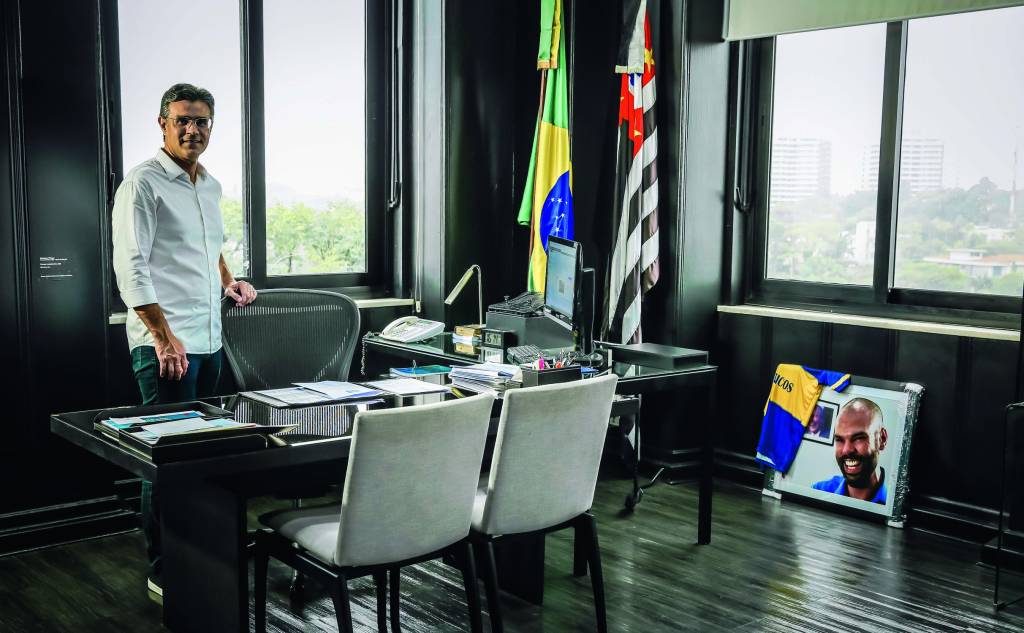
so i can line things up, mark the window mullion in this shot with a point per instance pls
(253, 138)
(889, 159)
(762, 143)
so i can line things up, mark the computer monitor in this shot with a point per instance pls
(561, 279)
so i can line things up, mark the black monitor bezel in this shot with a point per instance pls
(578, 247)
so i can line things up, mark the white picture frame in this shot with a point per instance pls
(817, 471)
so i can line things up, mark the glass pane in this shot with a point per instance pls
(958, 226)
(315, 122)
(213, 62)
(827, 110)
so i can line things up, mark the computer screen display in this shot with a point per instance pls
(561, 276)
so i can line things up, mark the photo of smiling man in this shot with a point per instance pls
(860, 436)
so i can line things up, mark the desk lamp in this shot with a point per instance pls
(479, 293)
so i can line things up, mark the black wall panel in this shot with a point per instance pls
(702, 135)
(480, 219)
(744, 377)
(796, 342)
(988, 388)
(12, 350)
(65, 328)
(931, 361)
(858, 350)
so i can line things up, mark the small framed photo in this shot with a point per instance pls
(819, 428)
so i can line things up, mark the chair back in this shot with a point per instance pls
(547, 455)
(411, 481)
(289, 335)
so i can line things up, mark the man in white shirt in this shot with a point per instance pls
(167, 235)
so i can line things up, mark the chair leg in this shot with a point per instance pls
(380, 581)
(261, 563)
(339, 596)
(393, 587)
(298, 586)
(490, 574)
(580, 549)
(469, 581)
(596, 577)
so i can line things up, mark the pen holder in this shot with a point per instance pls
(537, 377)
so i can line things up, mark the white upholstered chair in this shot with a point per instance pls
(543, 473)
(408, 497)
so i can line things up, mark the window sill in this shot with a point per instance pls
(119, 318)
(905, 325)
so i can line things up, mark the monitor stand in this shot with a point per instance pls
(544, 331)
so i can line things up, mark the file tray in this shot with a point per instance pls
(208, 410)
(655, 355)
(537, 377)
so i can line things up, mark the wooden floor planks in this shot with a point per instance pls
(772, 566)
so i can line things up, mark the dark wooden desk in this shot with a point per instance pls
(380, 354)
(203, 513)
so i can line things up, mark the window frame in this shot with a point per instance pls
(380, 41)
(881, 298)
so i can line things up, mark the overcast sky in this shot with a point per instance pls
(964, 86)
(313, 73)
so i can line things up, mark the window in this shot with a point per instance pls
(315, 184)
(213, 62)
(298, 129)
(887, 166)
(828, 100)
(958, 227)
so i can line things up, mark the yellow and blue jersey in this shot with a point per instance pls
(795, 391)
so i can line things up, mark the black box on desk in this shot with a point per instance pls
(543, 331)
(537, 377)
(654, 355)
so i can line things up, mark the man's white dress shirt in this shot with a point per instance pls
(167, 236)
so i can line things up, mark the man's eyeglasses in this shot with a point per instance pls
(202, 122)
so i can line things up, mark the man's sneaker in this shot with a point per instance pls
(156, 590)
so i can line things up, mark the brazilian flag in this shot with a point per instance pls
(547, 198)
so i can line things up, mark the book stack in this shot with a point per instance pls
(492, 378)
(466, 339)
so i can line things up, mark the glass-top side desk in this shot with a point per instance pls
(379, 355)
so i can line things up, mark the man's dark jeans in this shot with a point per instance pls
(200, 380)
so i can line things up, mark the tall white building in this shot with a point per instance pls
(801, 168)
(920, 165)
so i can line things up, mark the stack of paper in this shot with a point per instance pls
(111, 426)
(407, 386)
(189, 429)
(336, 390)
(493, 378)
(307, 393)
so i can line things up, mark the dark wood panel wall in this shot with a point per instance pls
(53, 153)
(956, 452)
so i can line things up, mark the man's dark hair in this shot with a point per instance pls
(184, 92)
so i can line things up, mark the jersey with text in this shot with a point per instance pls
(794, 394)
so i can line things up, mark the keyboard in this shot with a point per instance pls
(524, 305)
(523, 354)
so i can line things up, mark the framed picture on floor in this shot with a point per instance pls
(856, 449)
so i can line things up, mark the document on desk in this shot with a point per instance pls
(407, 386)
(153, 433)
(336, 390)
(289, 396)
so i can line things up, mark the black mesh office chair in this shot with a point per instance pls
(290, 335)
